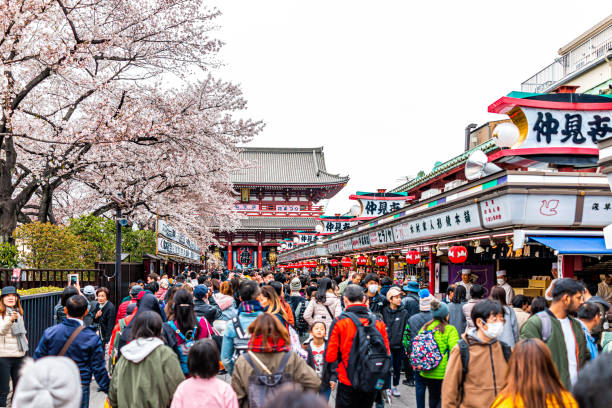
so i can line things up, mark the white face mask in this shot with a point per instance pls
(494, 331)
(500, 281)
(372, 289)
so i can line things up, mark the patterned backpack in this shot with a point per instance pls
(425, 355)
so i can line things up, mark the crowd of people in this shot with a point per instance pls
(299, 338)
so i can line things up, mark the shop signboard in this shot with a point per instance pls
(166, 230)
(168, 247)
(172, 242)
(331, 227)
(246, 207)
(346, 245)
(546, 209)
(381, 237)
(306, 238)
(361, 241)
(375, 208)
(333, 248)
(449, 222)
(597, 211)
(495, 212)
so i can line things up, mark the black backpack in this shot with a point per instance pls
(369, 363)
(464, 352)
(301, 325)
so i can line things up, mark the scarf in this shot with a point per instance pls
(257, 344)
(18, 329)
(250, 306)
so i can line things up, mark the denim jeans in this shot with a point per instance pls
(435, 389)
(85, 397)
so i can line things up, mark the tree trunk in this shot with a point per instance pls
(8, 220)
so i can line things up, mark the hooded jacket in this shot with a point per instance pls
(485, 376)
(316, 311)
(145, 376)
(147, 303)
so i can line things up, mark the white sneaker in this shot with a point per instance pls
(395, 392)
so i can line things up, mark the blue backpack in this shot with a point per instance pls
(186, 345)
(425, 355)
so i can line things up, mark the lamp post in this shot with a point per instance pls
(119, 202)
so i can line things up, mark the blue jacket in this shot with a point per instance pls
(590, 341)
(227, 347)
(86, 351)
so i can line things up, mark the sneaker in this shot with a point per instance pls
(409, 383)
(395, 392)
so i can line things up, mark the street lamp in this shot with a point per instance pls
(319, 228)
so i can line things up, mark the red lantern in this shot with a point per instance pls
(457, 254)
(382, 260)
(413, 257)
(334, 263)
(346, 262)
(362, 261)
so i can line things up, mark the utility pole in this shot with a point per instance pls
(118, 253)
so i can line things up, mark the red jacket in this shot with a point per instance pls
(122, 311)
(341, 337)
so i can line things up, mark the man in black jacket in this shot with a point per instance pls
(376, 301)
(201, 293)
(411, 304)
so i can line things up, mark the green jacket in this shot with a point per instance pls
(446, 341)
(145, 378)
(532, 329)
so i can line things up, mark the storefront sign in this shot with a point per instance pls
(168, 247)
(288, 208)
(495, 212)
(330, 227)
(381, 237)
(448, 222)
(346, 245)
(306, 238)
(597, 211)
(246, 207)
(333, 248)
(361, 241)
(375, 208)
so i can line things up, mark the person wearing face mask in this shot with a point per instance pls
(484, 356)
(562, 333)
(376, 301)
(502, 283)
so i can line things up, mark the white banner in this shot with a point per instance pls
(445, 223)
(165, 230)
(375, 208)
(330, 227)
(165, 246)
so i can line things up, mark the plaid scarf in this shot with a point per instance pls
(250, 306)
(257, 344)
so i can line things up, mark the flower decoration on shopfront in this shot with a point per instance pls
(346, 262)
(362, 261)
(457, 254)
(413, 257)
(382, 260)
(334, 263)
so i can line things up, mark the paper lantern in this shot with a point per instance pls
(362, 261)
(457, 254)
(382, 260)
(346, 262)
(413, 257)
(334, 263)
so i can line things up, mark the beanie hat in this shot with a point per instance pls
(40, 386)
(425, 300)
(439, 309)
(199, 292)
(295, 284)
(89, 290)
(136, 289)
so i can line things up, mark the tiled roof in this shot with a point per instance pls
(457, 161)
(277, 223)
(285, 166)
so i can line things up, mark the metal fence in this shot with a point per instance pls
(38, 315)
(36, 278)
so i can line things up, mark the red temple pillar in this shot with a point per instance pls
(432, 270)
(230, 256)
(259, 256)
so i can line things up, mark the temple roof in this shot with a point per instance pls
(285, 166)
(277, 223)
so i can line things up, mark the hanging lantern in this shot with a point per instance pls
(362, 261)
(382, 260)
(346, 262)
(334, 263)
(457, 254)
(413, 257)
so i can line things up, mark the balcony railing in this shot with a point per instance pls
(591, 50)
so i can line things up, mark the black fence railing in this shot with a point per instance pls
(36, 278)
(38, 315)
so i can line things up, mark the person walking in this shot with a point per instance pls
(561, 332)
(520, 304)
(340, 344)
(375, 300)
(396, 320)
(133, 298)
(589, 317)
(185, 328)
(148, 372)
(13, 340)
(203, 389)
(325, 306)
(79, 343)
(201, 305)
(272, 304)
(236, 336)
(446, 338)
(315, 349)
(477, 364)
(532, 380)
(104, 316)
(418, 320)
(456, 317)
(58, 310)
(268, 352)
(510, 335)
(476, 294)
(410, 303)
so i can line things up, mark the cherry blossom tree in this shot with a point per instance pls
(103, 96)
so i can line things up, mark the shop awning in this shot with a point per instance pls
(575, 245)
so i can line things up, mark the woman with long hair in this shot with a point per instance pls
(13, 341)
(455, 309)
(169, 304)
(268, 350)
(532, 380)
(185, 327)
(271, 304)
(145, 357)
(510, 335)
(324, 306)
